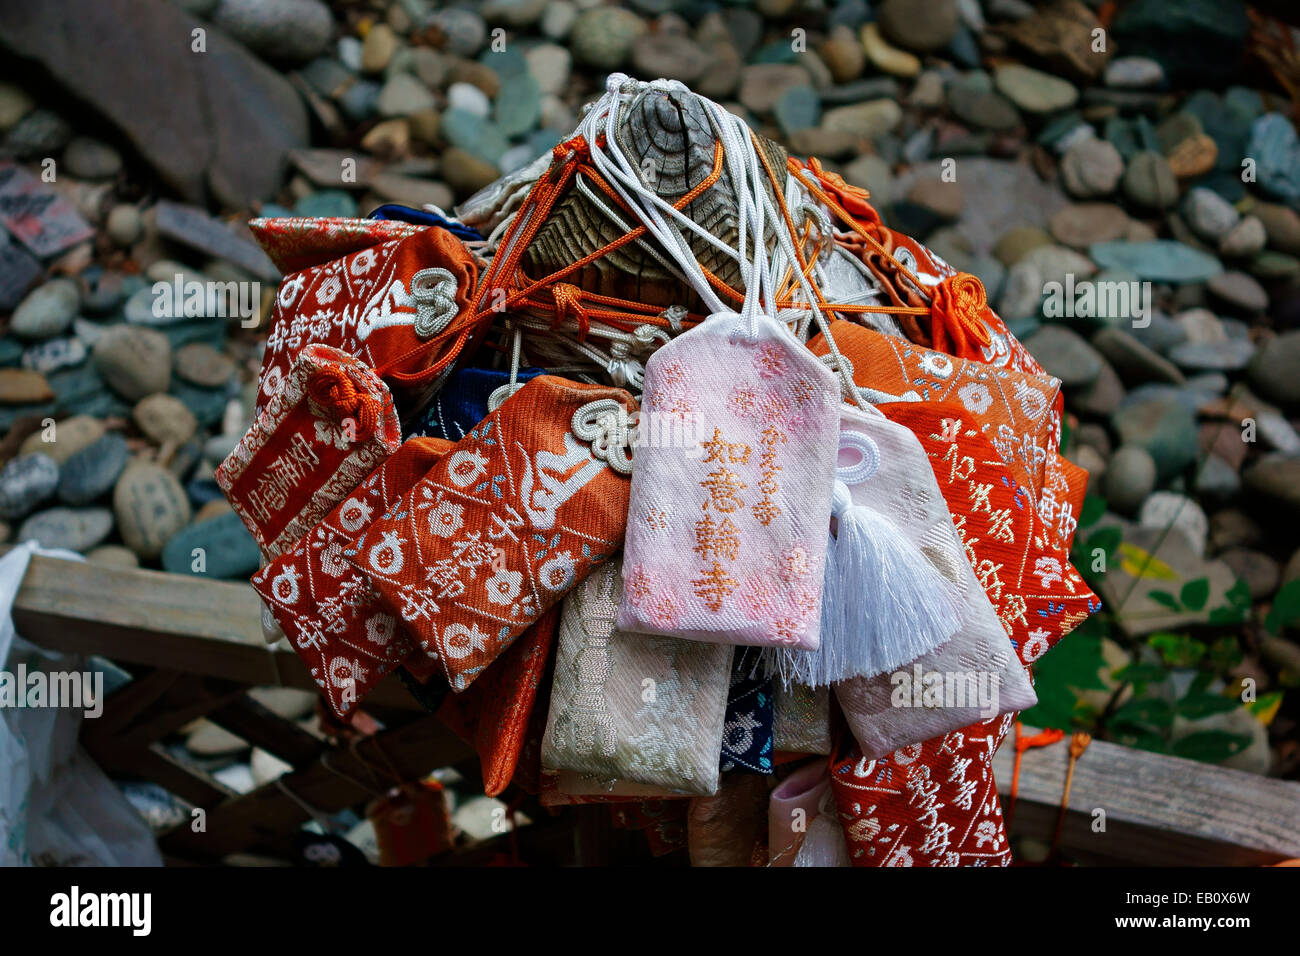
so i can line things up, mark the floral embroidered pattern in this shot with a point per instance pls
(758, 476)
(1018, 409)
(282, 478)
(631, 707)
(324, 604)
(935, 802)
(358, 292)
(498, 531)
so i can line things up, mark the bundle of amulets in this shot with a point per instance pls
(673, 479)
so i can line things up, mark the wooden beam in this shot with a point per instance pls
(266, 819)
(175, 622)
(246, 718)
(1159, 810)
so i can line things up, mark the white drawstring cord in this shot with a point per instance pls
(743, 168)
(755, 210)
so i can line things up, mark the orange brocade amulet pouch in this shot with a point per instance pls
(508, 522)
(328, 425)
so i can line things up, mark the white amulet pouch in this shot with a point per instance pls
(731, 488)
(888, 596)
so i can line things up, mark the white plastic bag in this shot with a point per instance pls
(57, 808)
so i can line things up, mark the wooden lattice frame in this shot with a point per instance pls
(196, 646)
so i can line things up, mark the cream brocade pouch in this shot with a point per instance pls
(802, 721)
(636, 708)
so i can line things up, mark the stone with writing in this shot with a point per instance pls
(93, 470)
(41, 219)
(134, 362)
(65, 438)
(54, 354)
(47, 311)
(219, 548)
(73, 529)
(19, 271)
(25, 482)
(150, 505)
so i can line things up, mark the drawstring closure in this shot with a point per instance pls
(568, 305)
(333, 391)
(957, 308)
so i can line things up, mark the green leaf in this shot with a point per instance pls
(1210, 746)
(1224, 654)
(1266, 707)
(1228, 614)
(1195, 593)
(1165, 598)
(1239, 594)
(1054, 710)
(1141, 674)
(1286, 608)
(1073, 665)
(1108, 539)
(1193, 706)
(1139, 738)
(1200, 683)
(1177, 650)
(1139, 563)
(1147, 712)
(1094, 506)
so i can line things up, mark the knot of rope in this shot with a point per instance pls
(855, 199)
(957, 307)
(332, 390)
(574, 146)
(568, 305)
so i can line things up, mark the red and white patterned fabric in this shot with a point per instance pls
(1019, 412)
(324, 605)
(959, 301)
(327, 425)
(496, 712)
(935, 802)
(295, 243)
(392, 304)
(514, 516)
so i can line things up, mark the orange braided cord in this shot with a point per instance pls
(332, 390)
(956, 313)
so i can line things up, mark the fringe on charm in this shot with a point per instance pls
(883, 603)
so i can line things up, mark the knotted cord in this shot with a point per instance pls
(787, 279)
(332, 390)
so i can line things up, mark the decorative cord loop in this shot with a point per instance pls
(568, 305)
(434, 291)
(604, 424)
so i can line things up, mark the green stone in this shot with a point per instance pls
(225, 549)
(1159, 260)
